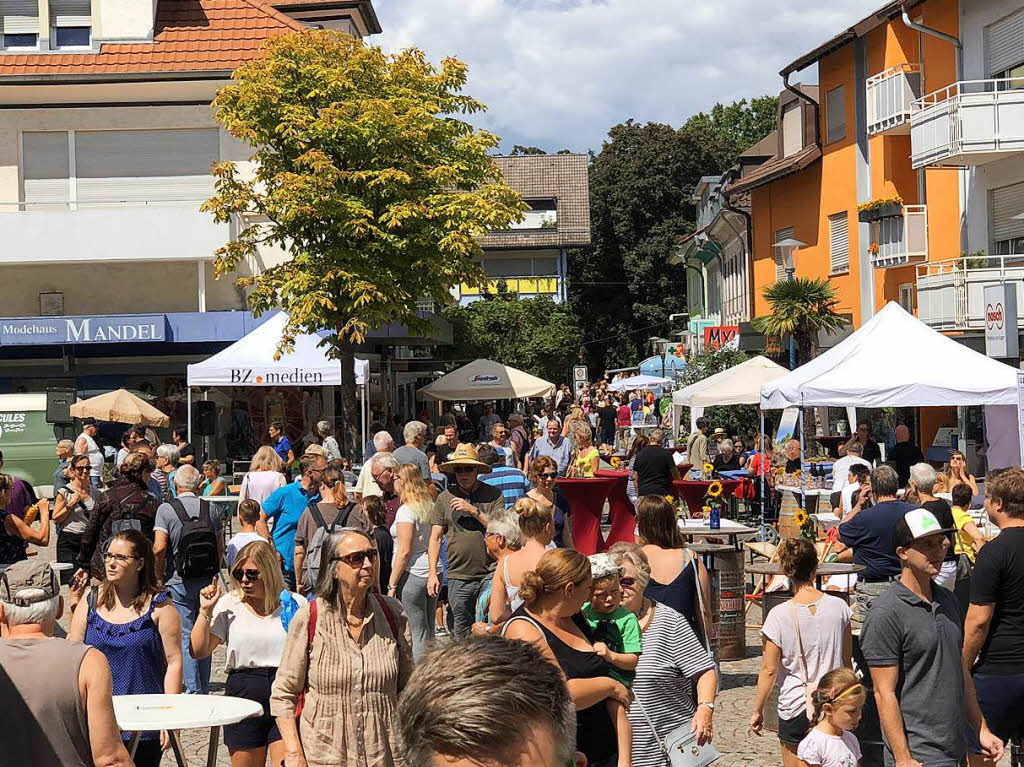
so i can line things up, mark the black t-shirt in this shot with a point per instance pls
(944, 513)
(904, 455)
(792, 465)
(998, 579)
(872, 452)
(443, 453)
(720, 464)
(607, 417)
(653, 467)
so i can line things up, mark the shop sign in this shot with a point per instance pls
(293, 377)
(721, 336)
(105, 329)
(1001, 320)
(484, 379)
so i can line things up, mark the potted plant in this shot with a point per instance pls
(883, 207)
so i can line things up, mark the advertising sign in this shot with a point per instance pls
(1001, 320)
(720, 336)
(104, 329)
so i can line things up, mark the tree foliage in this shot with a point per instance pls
(801, 308)
(366, 176)
(733, 418)
(622, 289)
(536, 335)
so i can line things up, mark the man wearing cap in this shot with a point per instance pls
(912, 644)
(86, 445)
(57, 694)
(462, 512)
(994, 629)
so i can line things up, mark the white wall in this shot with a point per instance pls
(123, 19)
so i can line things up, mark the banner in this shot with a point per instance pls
(721, 336)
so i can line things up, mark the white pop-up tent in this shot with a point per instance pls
(249, 361)
(485, 379)
(639, 382)
(738, 385)
(894, 360)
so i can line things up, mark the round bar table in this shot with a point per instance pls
(620, 509)
(693, 491)
(586, 504)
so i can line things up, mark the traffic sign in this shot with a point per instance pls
(579, 373)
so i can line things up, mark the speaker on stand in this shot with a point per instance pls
(58, 412)
(204, 424)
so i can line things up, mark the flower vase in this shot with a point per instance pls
(715, 518)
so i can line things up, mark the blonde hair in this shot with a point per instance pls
(266, 460)
(532, 518)
(263, 555)
(415, 493)
(830, 687)
(555, 569)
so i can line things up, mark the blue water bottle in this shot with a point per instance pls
(288, 608)
(716, 517)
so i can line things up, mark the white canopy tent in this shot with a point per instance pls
(484, 379)
(250, 362)
(739, 385)
(639, 382)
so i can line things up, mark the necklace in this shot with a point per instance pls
(646, 614)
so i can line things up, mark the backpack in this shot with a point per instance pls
(196, 555)
(311, 565)
(123, 518)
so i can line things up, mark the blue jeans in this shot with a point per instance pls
(185, 595)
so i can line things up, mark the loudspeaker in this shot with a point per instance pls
(58, 405)
(204, 418)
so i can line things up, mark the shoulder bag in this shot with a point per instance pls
(806, 681)
(704, 626)
(680, 747)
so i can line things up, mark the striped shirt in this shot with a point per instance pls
(512, 483)
(672, 657)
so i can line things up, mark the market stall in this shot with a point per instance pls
(739, 385)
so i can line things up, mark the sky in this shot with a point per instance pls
(558, 74)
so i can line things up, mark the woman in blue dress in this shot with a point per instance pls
(134, 624)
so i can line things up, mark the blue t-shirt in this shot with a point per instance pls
(512, 483)
(282, 447)
(869, 534)
(284, 506)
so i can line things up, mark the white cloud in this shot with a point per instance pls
(559, 73)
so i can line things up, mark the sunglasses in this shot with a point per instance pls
(80, 468)
(549, 475)
(627, 581)
(241, 575)
(356, 558)
(465, 469)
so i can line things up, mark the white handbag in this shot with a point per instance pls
(680, 747)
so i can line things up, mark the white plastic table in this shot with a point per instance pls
(146, 713)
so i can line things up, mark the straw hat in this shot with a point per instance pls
(464, 455)
(719, 432)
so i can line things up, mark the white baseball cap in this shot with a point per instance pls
(916, 524)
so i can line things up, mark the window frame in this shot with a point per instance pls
(829, 111)
(907, 289)
(58, 47)
(832, 270)
(33, 47)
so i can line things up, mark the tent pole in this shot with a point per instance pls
(189, 411)
(803, 479)
(762, 537)
(362, 408)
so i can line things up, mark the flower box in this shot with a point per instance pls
(888, 210)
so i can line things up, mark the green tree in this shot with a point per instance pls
(365, 175)
(641, 183)
(733, 418)
(536, 335)
(801, 308)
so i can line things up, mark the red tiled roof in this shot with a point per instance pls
(774, 169)
(189, 36)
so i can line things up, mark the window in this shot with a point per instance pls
(780, 262)
(907, 296)
(16, 42)
(71, 21)
(835, 114)
(1005, 204)
(45, 171)
(21, 23)
(839, 243)
(72, 37)
(1004, 44)
(543, 214)
(792, 129)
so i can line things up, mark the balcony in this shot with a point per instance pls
(971, 122)
(950, 294)
(901, 240)
(889, 98)
(107, 232)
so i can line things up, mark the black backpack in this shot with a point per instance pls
(314, 550)
(196, 555)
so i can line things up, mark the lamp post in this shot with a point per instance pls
(786, 248)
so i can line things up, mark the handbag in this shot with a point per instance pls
(808, 693)
(680, 747)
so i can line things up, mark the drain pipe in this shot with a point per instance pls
(942, 36)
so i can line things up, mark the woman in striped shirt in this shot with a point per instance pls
(672, 661)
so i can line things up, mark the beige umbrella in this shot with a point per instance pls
(483, 380)
(120, 406)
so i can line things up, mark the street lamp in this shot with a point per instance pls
(786, 248)
(656, 342)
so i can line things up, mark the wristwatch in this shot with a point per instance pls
(709, 704)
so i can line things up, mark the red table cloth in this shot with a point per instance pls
(586, 503)
(620, 508)
(693, 491)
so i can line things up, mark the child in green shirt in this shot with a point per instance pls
(616, 633)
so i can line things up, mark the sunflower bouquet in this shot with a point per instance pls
(714, 503)
(708, 469)
(807, 523)
(615, 462)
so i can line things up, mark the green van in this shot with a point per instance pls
(28, 442)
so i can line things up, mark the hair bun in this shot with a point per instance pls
(531, 588)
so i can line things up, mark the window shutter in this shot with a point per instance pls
(20, 16)
(835, 114)
(169, 165)
(839, 242)
(1004, 43)
(1004, 204)
(71, 13)
(780, 263)
(45, 167)
(792, 129)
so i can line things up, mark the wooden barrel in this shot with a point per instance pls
(790, 505)
(732, 633)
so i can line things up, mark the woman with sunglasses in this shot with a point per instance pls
(676, 681)
(348, 655)
(543, 473)
(132, 621)
(957, 474)
(212, 483)
(248, 622)
(537, 528)
(71, 508)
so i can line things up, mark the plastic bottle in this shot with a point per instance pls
(288, 608)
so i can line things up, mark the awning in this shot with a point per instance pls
(485, 380)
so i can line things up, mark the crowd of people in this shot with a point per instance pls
(345, 593)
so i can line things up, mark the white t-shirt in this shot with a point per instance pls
(238, 542)
(848, 494)
(820, 748)
(841, 471)
(258, 485)
(250, 641)
(822, 637)
(417, 564)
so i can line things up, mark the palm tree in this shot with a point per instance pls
(801, 308)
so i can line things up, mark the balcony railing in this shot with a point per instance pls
(902, 239)
(520, 285)
(971, 122)
(951, 294)
(107, 231)
(889, 96)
